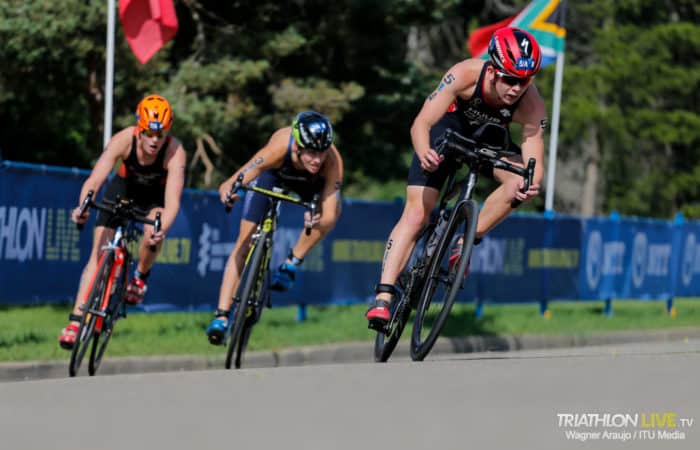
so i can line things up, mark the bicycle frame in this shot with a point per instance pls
(264, 235)
(100, 311)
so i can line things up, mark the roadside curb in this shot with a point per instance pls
(353, 352)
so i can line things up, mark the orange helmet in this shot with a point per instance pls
(154, 113)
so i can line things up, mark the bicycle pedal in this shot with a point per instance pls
(98, 313)
(377, 325)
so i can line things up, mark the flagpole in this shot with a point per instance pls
(554, 136)
(109, 73)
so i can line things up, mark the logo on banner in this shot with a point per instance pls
(649, 259)
(603, 259)
(639, 258)
(38, 234)
(212, 254)
(499, 256)
(594, 256)
(691, 259)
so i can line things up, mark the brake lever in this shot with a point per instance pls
(84, 207)
(313, 208)
(529, 173)
(234, 189)
(156, 229)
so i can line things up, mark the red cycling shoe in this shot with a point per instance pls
(455, 256)
(378, 315)
(135, 291)
(68, 335)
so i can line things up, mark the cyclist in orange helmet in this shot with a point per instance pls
(152, 175)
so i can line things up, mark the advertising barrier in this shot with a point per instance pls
(527, 258)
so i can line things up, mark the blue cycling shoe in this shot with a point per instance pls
(283, 278)
(216, 331)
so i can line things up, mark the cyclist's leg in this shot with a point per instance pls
(495, 209)
(284, 276)
(104, 231)
(254, 209)
(101, 235)
(216, 330)
(420, 201)
(422, 193)
(234, 265)
(153, 201)
(497, 205)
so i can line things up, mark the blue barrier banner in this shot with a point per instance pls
(687, 270)
(41, 251)
(627, 258)
(527, 258)
(537, 255)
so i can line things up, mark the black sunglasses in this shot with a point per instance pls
(512, 81)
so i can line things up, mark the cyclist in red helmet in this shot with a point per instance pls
(152, 174)
(470, 94)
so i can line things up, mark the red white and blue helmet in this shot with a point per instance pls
(515, 52)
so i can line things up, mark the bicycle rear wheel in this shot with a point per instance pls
(442, 284)
(248, 287)
(113, 312)
(89, 319)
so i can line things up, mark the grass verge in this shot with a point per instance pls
(31, 332)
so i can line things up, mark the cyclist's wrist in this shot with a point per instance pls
(293, 259)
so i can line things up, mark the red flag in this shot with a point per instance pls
(148, 25)
(479, 39)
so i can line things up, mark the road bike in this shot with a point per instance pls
(429, 280)
(253, 293)
(105, 301)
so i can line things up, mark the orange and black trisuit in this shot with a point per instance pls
(144, 185)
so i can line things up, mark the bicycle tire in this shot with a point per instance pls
(114, 307)
(409, 284)
(384, 345)
(251, 320)
(246, 286)
(466, 216)
(86, 331)
(242, 343)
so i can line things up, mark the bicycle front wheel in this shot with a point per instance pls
(248, 287)
(442, 283)
(91, 314)
(385, 344)
(114, 309)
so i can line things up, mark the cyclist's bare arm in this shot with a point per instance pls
(459, 80)
(532, 114)
(175, 162)
(117, 148)
(268, 157)
(331, 201)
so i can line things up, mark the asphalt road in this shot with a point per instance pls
(505, 400)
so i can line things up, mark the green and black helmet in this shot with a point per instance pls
(312, 131)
